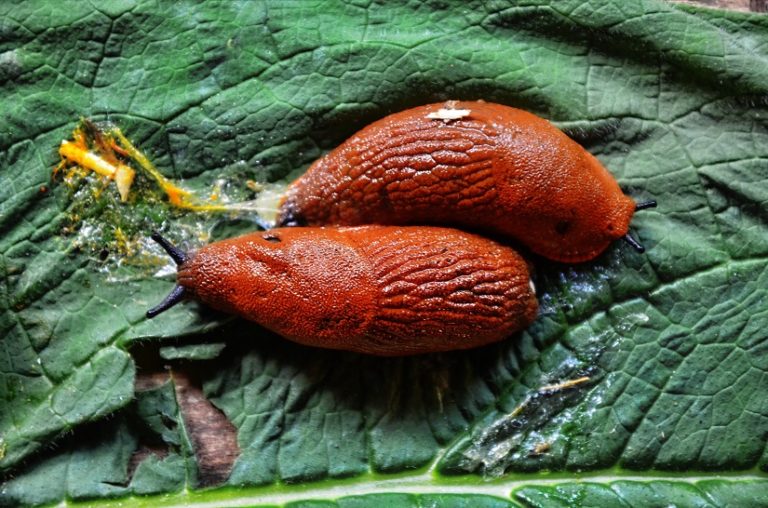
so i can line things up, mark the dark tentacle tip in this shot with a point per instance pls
(174, 297)
(634, 243)
(178, 255)
(646, 204)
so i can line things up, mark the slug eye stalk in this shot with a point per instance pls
(645, 205)
(178, 255)
(634, 243)
(177, 294)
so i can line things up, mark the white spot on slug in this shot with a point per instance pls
(448, 114)
(532, 286)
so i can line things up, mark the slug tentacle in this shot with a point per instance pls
(645, 205)
(178, 292)
(174, 297)
(634, 243)
(178, 255)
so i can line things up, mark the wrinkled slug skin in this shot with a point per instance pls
(497, 169)
(382, 290)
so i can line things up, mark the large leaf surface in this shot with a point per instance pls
(674, 341)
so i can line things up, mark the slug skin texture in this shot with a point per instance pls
(474, 165)
(381, 290)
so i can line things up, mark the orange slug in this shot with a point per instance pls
(381, 290)
(474, 165)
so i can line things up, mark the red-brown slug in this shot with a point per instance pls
(473, 165)
(381, 290)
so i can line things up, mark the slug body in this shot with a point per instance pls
(382, 290)
(474, 165)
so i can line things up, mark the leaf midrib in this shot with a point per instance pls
(416, 484)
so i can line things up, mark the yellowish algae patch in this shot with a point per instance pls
(117, 225)
(107, 152)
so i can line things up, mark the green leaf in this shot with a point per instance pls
(94, 462)
(673, 342)
(711, 493)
